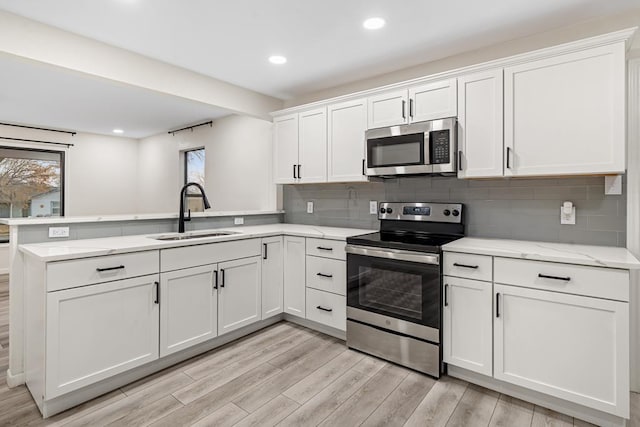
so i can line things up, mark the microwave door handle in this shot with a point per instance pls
(427, 148)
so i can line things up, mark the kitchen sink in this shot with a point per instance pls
(189, 236)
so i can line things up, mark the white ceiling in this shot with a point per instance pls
(231, 40)
(49, 96)
(323, 40)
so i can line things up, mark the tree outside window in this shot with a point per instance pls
(194, 161)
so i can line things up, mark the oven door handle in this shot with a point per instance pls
(397, 254)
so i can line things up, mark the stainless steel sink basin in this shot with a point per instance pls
(189, 236)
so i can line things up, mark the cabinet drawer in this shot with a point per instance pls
(328, 275)
(326, 308)
(468, 266)
(193, 256)
(87, 271)
(572, 279)
(326, 248)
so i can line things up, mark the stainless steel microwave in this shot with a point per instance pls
(417, 148)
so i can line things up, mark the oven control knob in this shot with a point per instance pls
(455, 212)
(383, 210)
(446, 212)
(389, 210)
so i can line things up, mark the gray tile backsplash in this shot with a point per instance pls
(526, 209)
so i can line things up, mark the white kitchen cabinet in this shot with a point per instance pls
(467, 324)
(480, 125)
(572, 347)
(300, 147)
(347, 123)
(429, 101)
(239, 293)
(285, 149)
(188, 308)
(272, 276)
(294, 275)
(565, 114)
(97, 331)
(312, 146)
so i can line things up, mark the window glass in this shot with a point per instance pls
(30, 184)
(194, 172)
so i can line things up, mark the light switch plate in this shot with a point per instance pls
(55, 232)
(569, 219)
(373, 207)
(309, 207)
(238, 221)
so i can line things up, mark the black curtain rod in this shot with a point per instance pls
(36, 128)
(173, 132)
(35, 140)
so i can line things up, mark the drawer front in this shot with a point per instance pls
(211, 253)
(326, 308)
(468, 266)
(326, 248)
(328, 275)
(582, 280)
(87, 271)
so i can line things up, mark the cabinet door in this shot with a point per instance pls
(467, 324)
(346, 142)
(239, 293)
(272, 276)
(285, 149)
(432, 101)
(97, 331)
(294, 275)
(571, 347)
(480, 125)
(188, 308)
(566, 114)
(388, 109)
(312, 147)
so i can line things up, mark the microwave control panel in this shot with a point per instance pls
(440, 146)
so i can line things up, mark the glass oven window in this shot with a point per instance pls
(396, 150)
(393, 292)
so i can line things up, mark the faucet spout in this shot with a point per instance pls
(183, 195)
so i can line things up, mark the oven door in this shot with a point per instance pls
(394, 290)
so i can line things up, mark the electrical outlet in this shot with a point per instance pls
(55, 232)
(309, 207)
(373, 207)
(238, 221)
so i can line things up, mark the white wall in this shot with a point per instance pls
(101, 171)
(238, 162)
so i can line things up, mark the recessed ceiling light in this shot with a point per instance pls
(277, 59)
(373, 23)
(118, 131)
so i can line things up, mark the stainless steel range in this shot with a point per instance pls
(394, 283)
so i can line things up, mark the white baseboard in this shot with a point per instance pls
(14, 380)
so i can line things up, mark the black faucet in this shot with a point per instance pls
(183, 194)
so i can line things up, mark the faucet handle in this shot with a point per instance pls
(188, 218)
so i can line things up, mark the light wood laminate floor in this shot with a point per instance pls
(284, 375)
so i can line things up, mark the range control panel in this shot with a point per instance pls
(423, 211)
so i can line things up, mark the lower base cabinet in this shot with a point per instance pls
(95, 332)
(327, 308)
(571, 347)
(188, 308)
(272, 276)
(294, 275)
(467, 327)
(239, 293)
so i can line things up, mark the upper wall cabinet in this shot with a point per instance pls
(566, 114)
(300, 147)
(430, 101)
(480, 111)
(345, 143)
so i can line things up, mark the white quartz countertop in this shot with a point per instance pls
(599, 256)
(128, 217)
(72, 249)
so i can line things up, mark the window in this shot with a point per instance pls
(194, 172)
(31, 184)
